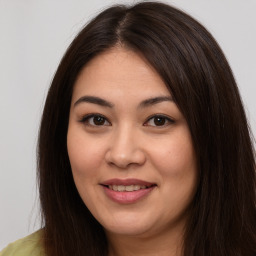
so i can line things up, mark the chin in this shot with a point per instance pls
(128, 230)
(130, 226)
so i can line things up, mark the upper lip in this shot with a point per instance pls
(127, 182)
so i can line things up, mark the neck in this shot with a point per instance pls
(146, 245)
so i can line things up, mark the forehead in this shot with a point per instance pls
(120, 71)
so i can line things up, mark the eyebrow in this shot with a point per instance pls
(94, 100)
(155, 100)
(105, 103)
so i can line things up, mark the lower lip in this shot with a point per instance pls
(127, 197)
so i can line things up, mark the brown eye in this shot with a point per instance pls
(95, 120)
(98, 120)
(158, 121)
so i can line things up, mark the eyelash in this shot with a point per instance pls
(167, 120)
(86, 120)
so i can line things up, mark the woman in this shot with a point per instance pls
(144, 146)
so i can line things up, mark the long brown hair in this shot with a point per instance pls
(194, 69)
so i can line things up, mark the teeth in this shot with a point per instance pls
(136, 187)
(121, 188)
(129, 188)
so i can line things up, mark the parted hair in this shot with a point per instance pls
(222, 219)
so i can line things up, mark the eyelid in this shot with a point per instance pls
(168, 118)
(85, 119)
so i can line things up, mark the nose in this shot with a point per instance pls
(125, 150)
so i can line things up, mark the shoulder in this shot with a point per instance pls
(27, 246)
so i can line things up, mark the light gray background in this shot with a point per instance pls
(33, 37)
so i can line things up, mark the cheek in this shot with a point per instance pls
(85, 157)
(175, 157)
(176, 162)
(85, 160)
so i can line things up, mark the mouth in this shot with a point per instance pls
(127, 185)
(127, 191)
(130, 188)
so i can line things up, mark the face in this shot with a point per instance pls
(129, 146)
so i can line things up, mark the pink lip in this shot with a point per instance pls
(126, 197)
(127, 182)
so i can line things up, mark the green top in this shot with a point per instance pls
(27, 246)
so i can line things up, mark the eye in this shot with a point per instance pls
(159, 120)
(95, 120)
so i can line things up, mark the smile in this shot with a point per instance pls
(129, 188)
(127, 191)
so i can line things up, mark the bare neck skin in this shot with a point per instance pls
(165, 244)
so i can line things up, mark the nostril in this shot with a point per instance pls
(124, 160)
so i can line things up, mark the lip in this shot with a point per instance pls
(127, 182)
(126, 197)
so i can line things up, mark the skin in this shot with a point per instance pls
(130, 142)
